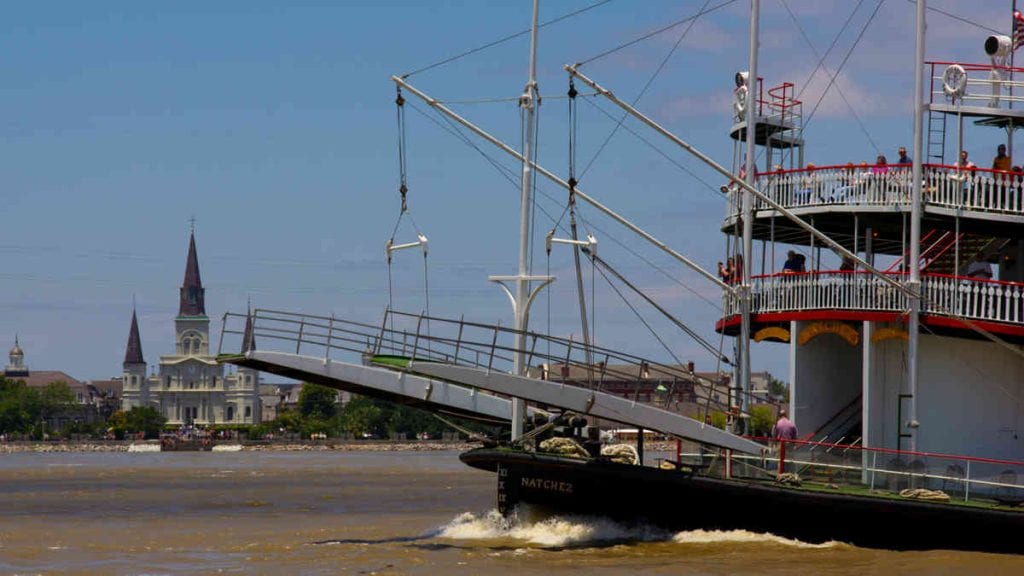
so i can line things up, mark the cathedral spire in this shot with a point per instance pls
(133, 352)
(192, 292)
(249, 337)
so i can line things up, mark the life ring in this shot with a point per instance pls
(954, 81)
(739, 104)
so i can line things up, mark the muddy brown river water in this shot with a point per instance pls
(360, 513)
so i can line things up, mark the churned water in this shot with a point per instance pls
(361, 513)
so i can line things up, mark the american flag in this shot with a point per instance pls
(1018, 29)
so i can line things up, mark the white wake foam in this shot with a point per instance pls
(572, 531)
(555, 531)
(741, 536)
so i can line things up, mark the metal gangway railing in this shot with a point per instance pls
(402, 336)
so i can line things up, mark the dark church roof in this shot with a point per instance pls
(192, 292)
(133, 352)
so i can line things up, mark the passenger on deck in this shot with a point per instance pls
(727, 272)
(903, 158)
(881, 165)
(794, 263)
(980, 268)
(1001, 161)
(784, 429)
(808, 190)
(964, 162)
(845, 183)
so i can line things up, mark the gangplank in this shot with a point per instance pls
(463, 368)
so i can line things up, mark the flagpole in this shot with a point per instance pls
(1013, 51)
(1013, 47)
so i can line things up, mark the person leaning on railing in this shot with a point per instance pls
(794, 263)
(979, 268)
(1001, 161)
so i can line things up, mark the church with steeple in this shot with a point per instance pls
(190, 387)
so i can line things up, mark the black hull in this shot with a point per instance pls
(678, 501)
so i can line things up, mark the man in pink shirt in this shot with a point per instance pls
(784, 429)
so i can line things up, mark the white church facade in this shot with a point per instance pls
(190, 387)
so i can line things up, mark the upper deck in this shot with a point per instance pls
(879, 196)
(984, 92)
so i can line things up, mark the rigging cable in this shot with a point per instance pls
(647, 85)
(572, 228)
(660, 152)
(960, 18)
(403, 190)
(842, 64)
(655, 33)
(535, 149)
(449, 126)
(821, 65)
(689, 331)
(505, 39)
(640, 317)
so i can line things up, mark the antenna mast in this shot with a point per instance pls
(743, 385)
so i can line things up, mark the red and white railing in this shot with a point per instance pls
(888, 186)
(944, 295)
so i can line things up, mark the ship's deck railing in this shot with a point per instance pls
(888, 187)
(882, 469)
(780, 107)
(987, 86)
(402, 335)
(943, 295)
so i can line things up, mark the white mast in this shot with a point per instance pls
(748, 225)
(914, 284)
(520, 304)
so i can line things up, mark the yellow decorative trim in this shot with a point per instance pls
(889, 334)
(772, 332)
(841, 329)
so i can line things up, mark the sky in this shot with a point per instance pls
(273, 125)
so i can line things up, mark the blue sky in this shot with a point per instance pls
(273, 124)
